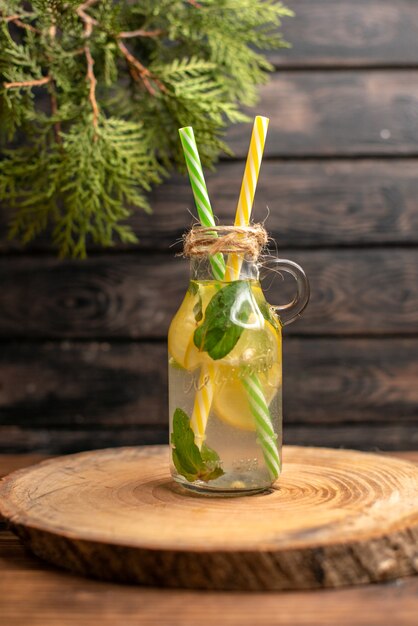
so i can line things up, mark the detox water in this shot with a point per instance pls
(225, 381)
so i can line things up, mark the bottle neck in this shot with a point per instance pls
(201, 269)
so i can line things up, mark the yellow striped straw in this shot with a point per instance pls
(258, 405)
(202, 403)
(248, 187)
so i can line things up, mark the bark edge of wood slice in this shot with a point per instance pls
(335, 517)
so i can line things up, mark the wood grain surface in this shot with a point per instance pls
(13, 462)
(334, 113)
(58, 598)
(55, 597)
(354, 292)
(350, 33)
(329, 521)
(309, 203)
(56, 439)
(340, 180)
(69, 387)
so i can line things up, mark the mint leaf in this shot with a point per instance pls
(225, 316)
(194, 290)
(187, 452)
(211, 474)
(175, 365)
(211, 459)
(198, 309)
(269, 315)
(208, 455)
(188, 460)
(191, 477)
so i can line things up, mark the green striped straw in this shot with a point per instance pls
(200, 193)
(261, 413)
(252, 385)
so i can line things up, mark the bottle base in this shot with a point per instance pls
(233, 491)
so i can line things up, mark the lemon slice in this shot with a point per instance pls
(259, 352)
(181, 330)
(180, 335)
(231, 402)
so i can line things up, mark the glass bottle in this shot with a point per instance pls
(225, 379)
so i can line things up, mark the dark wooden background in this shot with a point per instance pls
(83, 353)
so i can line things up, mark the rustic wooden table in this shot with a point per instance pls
(33, 593)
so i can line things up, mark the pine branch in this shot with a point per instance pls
(18, 22)
(92, 86)
(140, 33)
(140, 71)
(28, 83)
(92, 94)
(89, 21)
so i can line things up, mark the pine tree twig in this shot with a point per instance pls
(52, 32)
(137, 70)
(36, 82)
(93, 82)
(88, 21)
(140, 33)
(18, 22)
(77, 52)
(141, 71)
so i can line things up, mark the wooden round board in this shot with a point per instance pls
(335, 517)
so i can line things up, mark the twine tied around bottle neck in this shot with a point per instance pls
(247, 241)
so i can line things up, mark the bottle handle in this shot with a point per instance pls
(290, 311)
